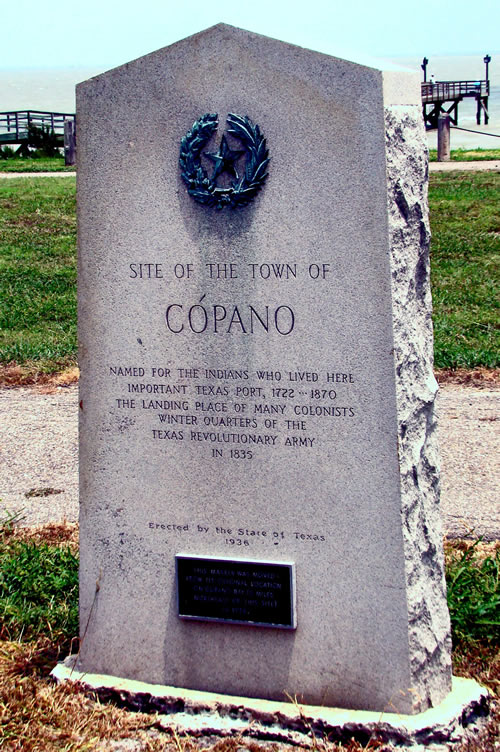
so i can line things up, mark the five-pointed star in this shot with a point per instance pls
(224, 159)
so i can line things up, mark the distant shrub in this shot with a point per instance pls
(43, 140)
(7, 152)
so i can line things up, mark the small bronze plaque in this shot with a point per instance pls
(260, 593)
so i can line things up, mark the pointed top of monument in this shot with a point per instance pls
(223, 33)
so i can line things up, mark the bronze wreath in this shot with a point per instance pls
(200, 186)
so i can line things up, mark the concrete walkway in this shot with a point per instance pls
(489, 164)
(37, 174)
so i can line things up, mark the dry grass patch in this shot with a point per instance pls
(482, 378)
(29, 374)
(36, 715)
(483, 666)
(52, 534)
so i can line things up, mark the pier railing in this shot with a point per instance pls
(444, 91)
(14, 126)
(443, 97)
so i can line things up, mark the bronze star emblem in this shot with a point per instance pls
(224, 159)
(253, 164)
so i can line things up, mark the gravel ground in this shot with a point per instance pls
(487, 164)
(39, 456)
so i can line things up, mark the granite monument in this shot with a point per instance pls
(258, 466)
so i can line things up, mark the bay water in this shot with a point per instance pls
(53, 90)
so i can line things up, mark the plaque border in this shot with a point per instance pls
(243, 622)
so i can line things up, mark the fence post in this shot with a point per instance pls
(443, 138)
(69, 142)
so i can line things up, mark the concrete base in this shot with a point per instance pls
(207, 714)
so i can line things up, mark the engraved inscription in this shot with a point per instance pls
(236, 412)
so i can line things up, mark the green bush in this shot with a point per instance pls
(474, 595)
(38, 591)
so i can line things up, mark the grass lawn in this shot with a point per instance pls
(40, 164)
(467, 155)
(38, 626)
(465, 268)
(38, 272)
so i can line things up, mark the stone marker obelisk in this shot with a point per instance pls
(259, 481)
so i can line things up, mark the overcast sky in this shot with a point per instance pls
(106, 33)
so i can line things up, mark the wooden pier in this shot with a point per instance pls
(14, 126)
(442, 97)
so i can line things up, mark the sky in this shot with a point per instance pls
(107, 33)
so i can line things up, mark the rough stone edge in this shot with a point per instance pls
(416, 389)
(206, 714)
